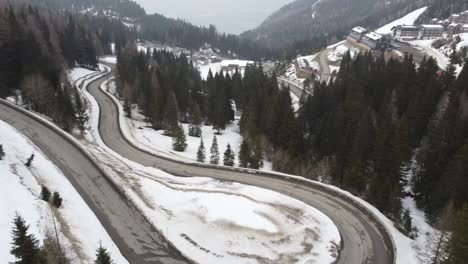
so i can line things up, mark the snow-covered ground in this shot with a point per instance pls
(80, 232)
(408, 20)
(216, 67)
(335, 55)
(426, 45)
(220, 222)
(143, 135)
(309, 61)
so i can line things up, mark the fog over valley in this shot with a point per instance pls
(228, 15)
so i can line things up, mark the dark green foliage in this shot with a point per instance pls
(29, 161)
(458, 245)
(102, 256)
(38, 46)
(179, 141)
(229, 156)
(25, 246)
(201, 156)
(2, 152)
(45, 193)
(195, 121)
(244, 154)
(82, 117)
(214, 152)
(171, 116)
(57, 200)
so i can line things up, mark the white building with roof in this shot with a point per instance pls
(357, 33)
(405, 32)
(372, 40)
(431, 31)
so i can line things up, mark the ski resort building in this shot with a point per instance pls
(373, 40)
(431, 31)
(357, 33)
(405, 32)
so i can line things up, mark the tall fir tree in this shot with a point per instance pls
(244, 154)
(229, 156)
(201, 156)
(214, 152)
(195, 121)
(29, 161)
(171, 115)
(25, 246)
(458, 246)
(179, 141)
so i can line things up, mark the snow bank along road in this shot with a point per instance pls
(364, 238)
(137, 240)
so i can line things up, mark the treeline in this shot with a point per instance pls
(168, 90)
(27, 250)
(37, 47)
(181, 33)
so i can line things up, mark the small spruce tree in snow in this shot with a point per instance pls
(229, 156)
(24, 246)
(57, 200)
(45, 194)
(179, 141)
(29, 161)
(102, 256)
(201, 156)
(214, 151)
(2, 153)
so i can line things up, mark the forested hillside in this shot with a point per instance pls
(304, 20)
(37, 47)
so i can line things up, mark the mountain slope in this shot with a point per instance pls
(304, 19)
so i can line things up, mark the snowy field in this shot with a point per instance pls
(216, 67)
(220, 222)
(426, 45)
(407, 20)
(80, 232)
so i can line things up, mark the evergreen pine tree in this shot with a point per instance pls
(229, 156)
(25, 247)
(102, 256)
(81, 115)
(195, 121)
(45, 194)
(2, 153)
(29, 161)
(214, 152)
(201, 156)
(244, 154)
(57, 200)
(171, 115)
(458, 246)
(179, 141)
(256, 159)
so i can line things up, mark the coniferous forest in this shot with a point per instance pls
(31, 38)
(378, 128)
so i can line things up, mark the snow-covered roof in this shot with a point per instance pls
(431, 26)
(465, 26)
(373, 36)
(359, 30)
(407, 27)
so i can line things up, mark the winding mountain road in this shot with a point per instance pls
(364, 240)
(135, 237)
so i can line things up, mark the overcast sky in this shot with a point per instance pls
(232, 16)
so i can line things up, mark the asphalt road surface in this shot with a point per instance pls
(364, 240)
(138, 241)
